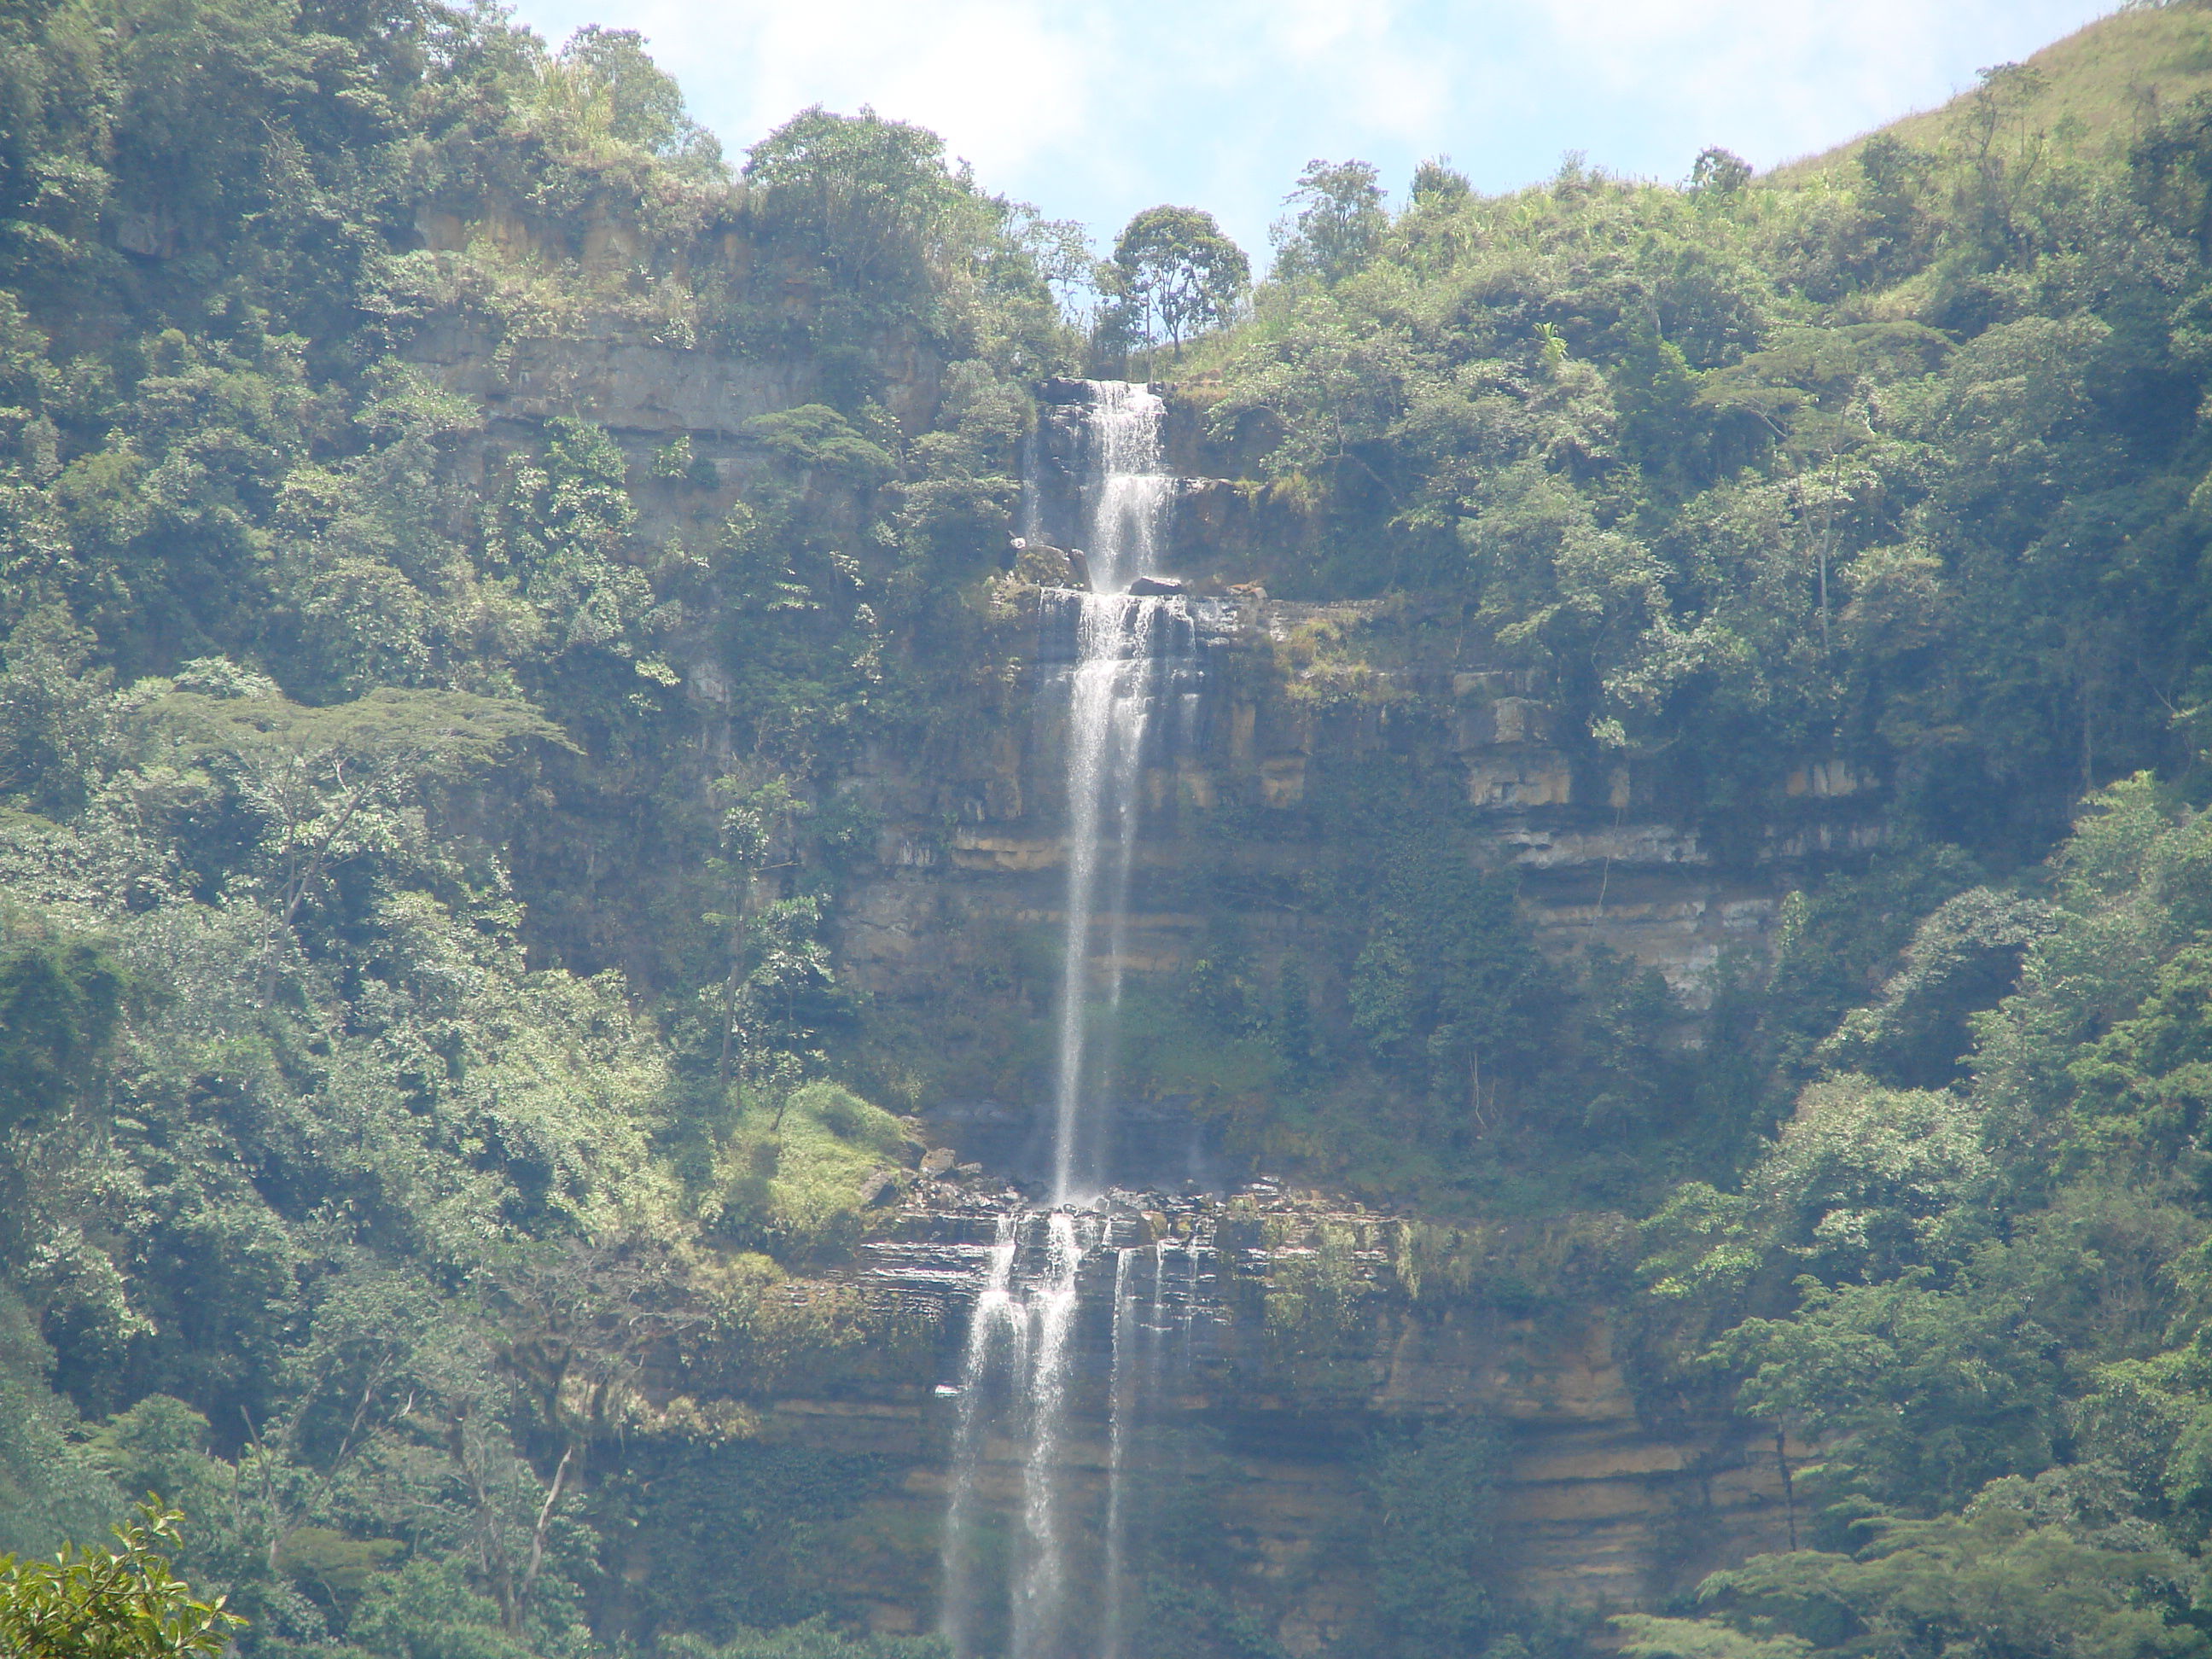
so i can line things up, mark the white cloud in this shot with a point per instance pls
(1095, 108)
(997, 78)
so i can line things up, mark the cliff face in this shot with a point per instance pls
(1296, 695)
(1249, 784)
(1598, 862)
(1271, 1434)
(1596, 1502)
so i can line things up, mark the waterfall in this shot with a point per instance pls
(1039, 1611)
(1119, 1406)
(998, 1319)
(1129, 491)
(1159, 1321)
(1190, 1308)
(1132, 655)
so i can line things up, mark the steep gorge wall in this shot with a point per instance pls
(1598, 865)
(1248, 792)
(1297, 693)
(1598, 1504)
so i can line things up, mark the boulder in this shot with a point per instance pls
(937, 1161)
(1042, 564)
(880, 1189)
(1156, 587)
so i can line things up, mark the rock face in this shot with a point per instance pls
(1599, 1502)
(1296, 698)
(1593, 1505)
(1297, 695)
(1600, 864)
(1242, 791)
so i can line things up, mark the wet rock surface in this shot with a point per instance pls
(1597, 1505)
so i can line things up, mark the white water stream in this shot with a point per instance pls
(997, 1321)
(1131, 654)
(1062, 1590)
(1040, 1607)
(1119, 1408)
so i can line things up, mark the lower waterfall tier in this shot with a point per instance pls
(1237, 1386)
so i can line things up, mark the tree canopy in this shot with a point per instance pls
(447, 803)
(122, 1603)
(1175, 274)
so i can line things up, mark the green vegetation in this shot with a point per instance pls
(2107, 79)
(1902, 466)
(1980, 1304)
(435, 1100)
(110, 1604)
(1173, 275)
(1891, 480)
(1749, 478)
(368, 1170)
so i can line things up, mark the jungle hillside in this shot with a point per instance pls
(439, 1105)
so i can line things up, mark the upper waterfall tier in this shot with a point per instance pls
(1136, 659)
(1097, 479)
(1129, 490)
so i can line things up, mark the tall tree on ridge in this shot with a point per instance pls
(1177, 273)
(1338, 224)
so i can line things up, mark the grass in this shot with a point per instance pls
(801, 1175)
(2100, 82)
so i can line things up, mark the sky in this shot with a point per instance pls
(1093, 110)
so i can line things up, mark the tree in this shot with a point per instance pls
(1434, 1489)
(580, 1323)
(1338, 224)
(1331, 391)
(606, 76)
(1964, 957)
(59, 1002)
(1061, 250)
(1938, 1391)
(566, 517)
(2029, 1568)
(2169, 167)
(1175, 273)
(1440, 187)
(324, 779)
(757, 817)
(111, 1604)
(1719, 172)
(868, 200)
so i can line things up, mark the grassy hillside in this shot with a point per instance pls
(2104, 82)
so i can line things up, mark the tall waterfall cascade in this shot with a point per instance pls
(1135, 663)
(1036, 1527)
(1083, 1339)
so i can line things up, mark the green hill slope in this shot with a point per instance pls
(2102, 81)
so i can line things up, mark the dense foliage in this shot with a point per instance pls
(428, 1088)
(1895, 472)
(1979, 1307)
(110, 1604)
(357, 1173)
(1876, 493)
(1898, 467)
